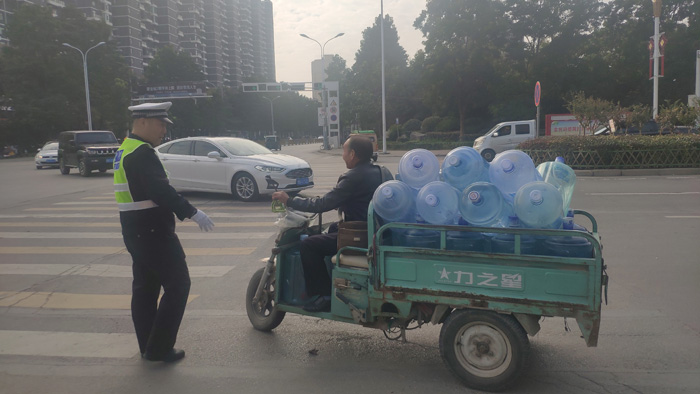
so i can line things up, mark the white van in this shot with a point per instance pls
(504, 136)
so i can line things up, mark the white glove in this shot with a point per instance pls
(201, 218)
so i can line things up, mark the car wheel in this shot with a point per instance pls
(39, 167)
(244, 187)
(62, 166)
(83, 168)
(488, 155)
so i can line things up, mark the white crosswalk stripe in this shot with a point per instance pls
(50, 271)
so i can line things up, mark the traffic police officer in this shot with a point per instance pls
(146, 205)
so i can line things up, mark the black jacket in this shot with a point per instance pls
(351, 195)
(148, 181)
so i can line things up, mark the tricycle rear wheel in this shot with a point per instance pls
(263, 314)
(485, 350)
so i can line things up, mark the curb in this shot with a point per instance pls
(584, 173)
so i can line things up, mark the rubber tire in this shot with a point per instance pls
(251, 181)
(83, 168)
(488, 154)
(261, 322)
(39, 167)
(62, 166)
(500, 327)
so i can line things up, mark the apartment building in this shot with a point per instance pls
(229, 39)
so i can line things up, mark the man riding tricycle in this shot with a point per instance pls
(488, 303)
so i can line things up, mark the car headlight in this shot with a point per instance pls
(269, 169)
(478, 142)
(39, 156)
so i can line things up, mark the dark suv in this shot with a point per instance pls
(86, 150)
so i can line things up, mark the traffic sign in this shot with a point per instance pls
(538, 93)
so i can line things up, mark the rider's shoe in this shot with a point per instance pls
(169, 357)
(320, 304)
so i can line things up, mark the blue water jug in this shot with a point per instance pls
(510, 170)
(394, 201)
(463, 166)
(569, 224)
(438, 203)
(419, 238)
(482, 204)
(465, 240)
(568, 246)
(418, 167)
(560, 176)
(505, 243)
(539, 205)
(294, 286)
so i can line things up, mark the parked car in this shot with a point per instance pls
(47, 156)
(238, 166)
(86, 150)
(504, 136)
(648, 128)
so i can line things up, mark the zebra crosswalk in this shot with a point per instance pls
(68, 257)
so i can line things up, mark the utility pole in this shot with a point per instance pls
(657, 22)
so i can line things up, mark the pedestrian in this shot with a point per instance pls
(146, 205)
(351, 196)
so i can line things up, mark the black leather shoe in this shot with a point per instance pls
(169, 357)
(320, 304)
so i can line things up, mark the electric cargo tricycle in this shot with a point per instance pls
(487, 302)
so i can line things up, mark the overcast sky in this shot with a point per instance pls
(323, 19)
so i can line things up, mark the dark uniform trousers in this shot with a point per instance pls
(158, 260)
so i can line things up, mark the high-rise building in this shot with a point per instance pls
(231, 40)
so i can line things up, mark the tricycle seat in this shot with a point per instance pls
(351, 261)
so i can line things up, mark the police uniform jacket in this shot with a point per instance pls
(148, 180)
(351, 195)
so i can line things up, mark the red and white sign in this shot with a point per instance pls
(562, 124)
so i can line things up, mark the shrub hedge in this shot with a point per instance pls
(430, 144)
(624, 151)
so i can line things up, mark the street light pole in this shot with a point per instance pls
(324, 93)
(272, 113)
(657, 18)
(85, 74)
(383, 88)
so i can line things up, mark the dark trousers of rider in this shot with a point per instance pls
(314, 250)
(157, 261)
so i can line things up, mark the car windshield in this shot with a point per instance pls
(96, 138)
(242, 147)
(51, 146)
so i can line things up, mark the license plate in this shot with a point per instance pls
(51, 160)
(110, 160)
(302, 181)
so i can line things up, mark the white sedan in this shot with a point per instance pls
(232, 165)
(47, 156)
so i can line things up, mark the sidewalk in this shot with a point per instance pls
(600, 173)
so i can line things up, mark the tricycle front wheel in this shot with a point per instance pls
(485, 350)
(263, 313)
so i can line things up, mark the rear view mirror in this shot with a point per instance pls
(494, 134)
(214, 155)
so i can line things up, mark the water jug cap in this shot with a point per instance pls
(474, 197)
(568, 223)
(536, 197)
(417, 162)
(432, 200)
(513, 221)
(507, 166)
(387, 191)
(570, 213)
(453, 161)
(559, 159)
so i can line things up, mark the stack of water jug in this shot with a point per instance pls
(466, 190)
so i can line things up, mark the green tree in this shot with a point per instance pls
(44, 80)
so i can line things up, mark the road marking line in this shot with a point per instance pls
(99, 198)
(101, 209)
(101, 270)
(112, 224)
(116, 215)
(100, 250)
(682, 217)
(52, 300)
(99, 235)
(67, 344)
(642, 194)
(113, 203)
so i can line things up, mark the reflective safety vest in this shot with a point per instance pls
(125, 200)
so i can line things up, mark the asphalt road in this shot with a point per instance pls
(65, 288)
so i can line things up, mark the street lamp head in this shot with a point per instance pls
(339, 34)
(304, 35)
